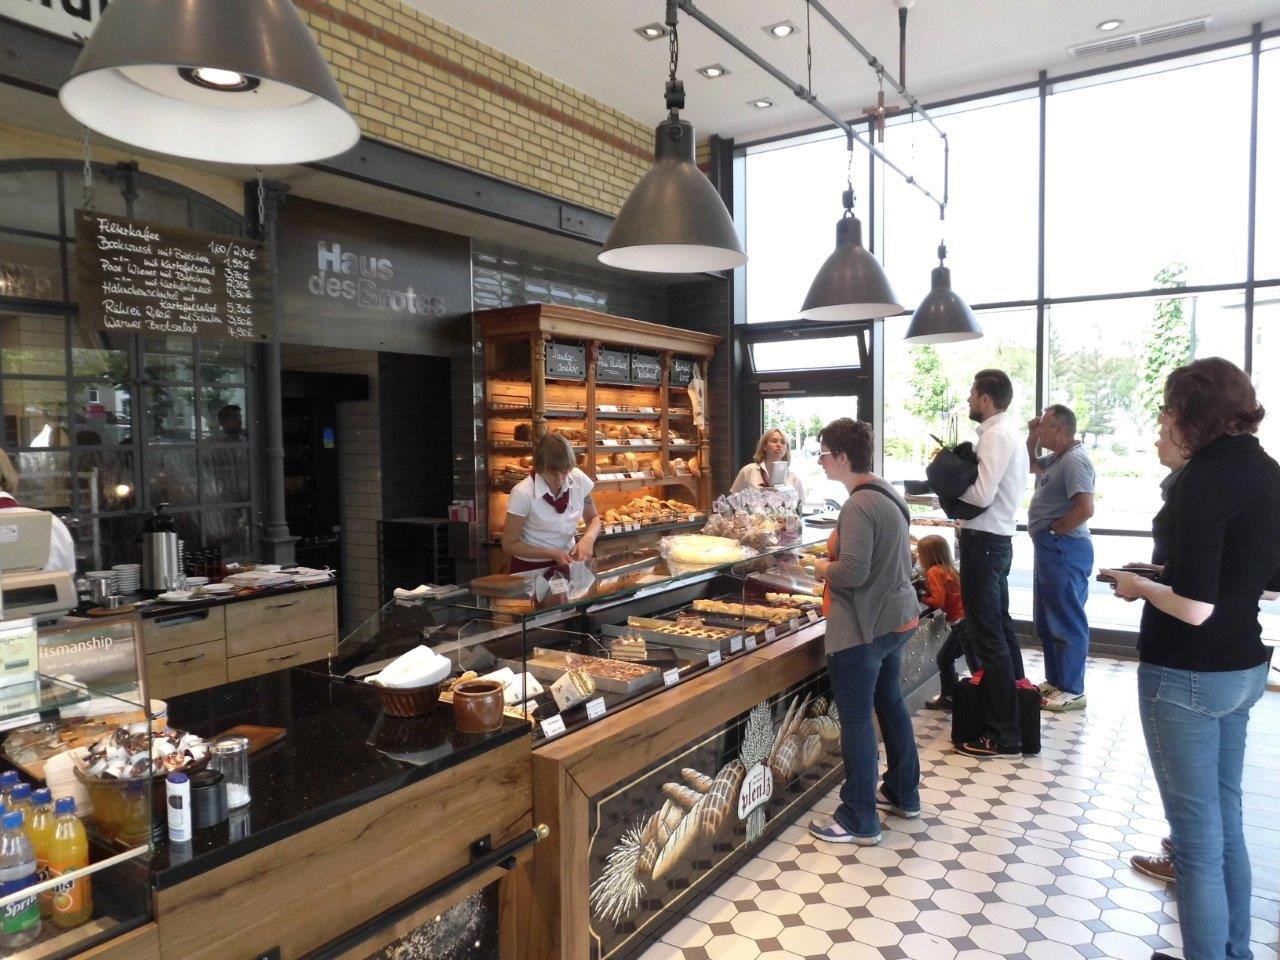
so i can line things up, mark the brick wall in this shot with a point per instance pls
(359, 476)
(418, 83)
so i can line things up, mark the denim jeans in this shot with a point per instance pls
(957, 643)
(862, 678)
(985, 559)
(1059, 589)
(1195, 730)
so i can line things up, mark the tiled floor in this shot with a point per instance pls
(1024, 859)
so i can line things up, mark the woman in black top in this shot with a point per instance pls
(1203, 663)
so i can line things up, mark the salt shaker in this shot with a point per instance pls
(230, 757)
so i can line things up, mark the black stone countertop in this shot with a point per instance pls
(161, 608)
(326, 764)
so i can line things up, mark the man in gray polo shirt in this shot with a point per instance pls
(1057, 520)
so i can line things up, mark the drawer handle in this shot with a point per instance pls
(286, 657)
(281, 606)
(194, 617)
(174, 663)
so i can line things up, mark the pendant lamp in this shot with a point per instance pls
(851, 284)
(230, 81)
(942, 317)
(674, 220)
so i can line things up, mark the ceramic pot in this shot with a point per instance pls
(477, 705)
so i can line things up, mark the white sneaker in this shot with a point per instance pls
(1046, 688)
(1060, 701)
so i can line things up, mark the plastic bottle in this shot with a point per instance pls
(20, 799)
(39, 830)
(8, 780)
(69, 851)
(20, 920)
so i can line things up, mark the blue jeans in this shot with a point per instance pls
(1060, 589)
(985, 559)
(1195, 729)
(862, 678)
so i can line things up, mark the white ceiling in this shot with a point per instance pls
(953, 46)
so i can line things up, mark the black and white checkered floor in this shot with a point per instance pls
(1010, 860)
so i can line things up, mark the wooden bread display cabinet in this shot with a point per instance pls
(619, 391)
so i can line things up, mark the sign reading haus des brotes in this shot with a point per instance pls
(350, 279)
(73, 19)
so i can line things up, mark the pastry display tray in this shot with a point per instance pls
(549, 665)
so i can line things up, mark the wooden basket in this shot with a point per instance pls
(408, 701)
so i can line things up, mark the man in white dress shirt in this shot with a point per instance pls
(986, 553)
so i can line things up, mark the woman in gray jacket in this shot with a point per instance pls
(872, 611)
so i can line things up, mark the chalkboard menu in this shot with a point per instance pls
(150, 278)
(614, 366)
(646, 368)
(566, 361)
(681, 372)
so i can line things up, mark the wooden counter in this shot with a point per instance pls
(547, 909)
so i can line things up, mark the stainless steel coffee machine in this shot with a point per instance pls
(159, 551)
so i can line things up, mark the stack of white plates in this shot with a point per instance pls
(128, 577)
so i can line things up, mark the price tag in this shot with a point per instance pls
(21, 721)
(751, 642)
(553, 726)
(671, 677)
(795, 624)
(595, 708)
(735, 644)
(714, 658)
(639, 442)
(811, 616)
(638, 475)
(611, 443)
(770, 634)
(608, 408)
(645, 409)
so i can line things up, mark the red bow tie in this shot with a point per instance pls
(560, 502)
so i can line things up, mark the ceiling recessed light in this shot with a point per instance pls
(1108, 25)
(652, 31)
(764, 103)
(713, 71)
(779, 30)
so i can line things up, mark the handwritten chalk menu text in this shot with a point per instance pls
(137, 277)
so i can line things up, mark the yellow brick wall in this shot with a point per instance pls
(419, 84)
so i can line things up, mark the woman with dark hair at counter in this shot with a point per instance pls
(544, 510)
(1203, 665)
(872, 611)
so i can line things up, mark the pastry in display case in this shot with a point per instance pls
(622, 392)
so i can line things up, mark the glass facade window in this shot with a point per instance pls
(819, 353)
(104, 426)
(1267, 242)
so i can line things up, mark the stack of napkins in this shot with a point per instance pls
(259, 578)
(417, 668)
(428, 591)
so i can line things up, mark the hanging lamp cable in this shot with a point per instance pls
(87, 189)
(808, 42)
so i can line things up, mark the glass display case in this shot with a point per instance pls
(573, 644)
(90, 738)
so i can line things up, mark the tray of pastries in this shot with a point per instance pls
(615, 676)
(686, 632)
(754, 611)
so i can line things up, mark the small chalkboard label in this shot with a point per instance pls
(646, 368)
(614, 366)
(681, 371)
(566, 361)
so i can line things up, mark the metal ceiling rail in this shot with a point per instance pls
(810, 98)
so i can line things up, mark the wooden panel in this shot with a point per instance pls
(183, 628)
(277, 658)
(275, 621)
(140, 944)
(378, 854)
(574, 322)
(187, 668)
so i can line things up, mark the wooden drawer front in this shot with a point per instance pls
(188, 668)
(183, 628)
(275, 621)
(278, 658)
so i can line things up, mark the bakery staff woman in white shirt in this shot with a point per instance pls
(62, 549)
(773, 447)
(544, 510)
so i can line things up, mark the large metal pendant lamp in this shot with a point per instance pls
(942, 317)
(851, 284)
(231, 81)
(674, 220)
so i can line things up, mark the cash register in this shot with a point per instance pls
(26, 588)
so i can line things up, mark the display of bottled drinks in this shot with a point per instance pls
(40, 839)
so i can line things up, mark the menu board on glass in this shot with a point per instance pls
(149, 278)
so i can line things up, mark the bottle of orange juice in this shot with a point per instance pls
(39, 830)
(69, 851)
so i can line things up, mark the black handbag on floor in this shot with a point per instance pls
(969, 722)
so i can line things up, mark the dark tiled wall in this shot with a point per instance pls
(707, 307)
(416, 470)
